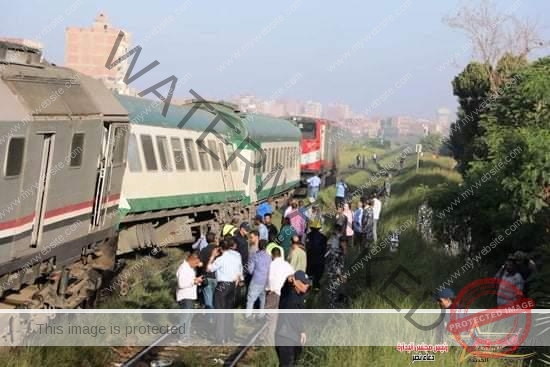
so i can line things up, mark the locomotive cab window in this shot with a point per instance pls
(14, 158)
(149, 152)
(178, 154)
(308, 130)
(134, 161)
(164, 154)
(77, 149)
(191, 154)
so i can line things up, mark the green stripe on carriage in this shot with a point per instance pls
(181, 201)
(267, 191)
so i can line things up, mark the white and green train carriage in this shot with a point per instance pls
(173, 187)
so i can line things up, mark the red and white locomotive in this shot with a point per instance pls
(319, 146)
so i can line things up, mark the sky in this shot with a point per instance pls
(201, 39)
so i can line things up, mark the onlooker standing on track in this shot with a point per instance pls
(316, 248)
(285, 235)
(279, 271)
(376, 209)
(201, 243)
(335, 264)
(358, 161)
(313, 185)
(297, 257)
(297, 219)
(349, 222)
(357, 222)
(367, 224)
(290, 335)
(265, 208)
(229, 273)
(341, 189)
(258, 266)
(374, 158)
(241, 239)
(254, 241)
(261, 227)
(209, 277)
(272, 229)
(186, 294)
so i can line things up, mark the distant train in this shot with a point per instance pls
(319, 146)
(89, 175)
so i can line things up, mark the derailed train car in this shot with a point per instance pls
(181, 181)
(70, 156)
(63, 155)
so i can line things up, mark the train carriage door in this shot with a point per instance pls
(111, 142)
(42, 189)
(227, 177)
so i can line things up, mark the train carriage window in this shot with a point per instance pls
(230, 152)
(134, 161)
(148, 152)
(257, 161)
(77, 149)
(291, 158)
(177, 152)
(203, 158)
(191, 154)
(215, 161)
(119, 150)
(164, 153)
(14, 161)
(263, 168)
(223, 156)
(272, 162)
(277, 156)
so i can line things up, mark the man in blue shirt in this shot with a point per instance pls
(357, 220)
(229, 272)
(341, 188)
(258, 267)
(313, 185)
(264, 208)
(261, 227)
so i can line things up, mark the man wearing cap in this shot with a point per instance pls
(291, 335)
(445, 299)
(261, 227)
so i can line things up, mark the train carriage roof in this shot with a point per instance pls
(261, 128)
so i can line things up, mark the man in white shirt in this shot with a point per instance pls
(313, 185)
(229, 273)
(279, 271)
(186, 294)
(377, 208)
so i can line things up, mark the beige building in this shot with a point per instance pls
(88, 49)
(313, 109)
(24, 42)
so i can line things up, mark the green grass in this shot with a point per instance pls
(425, 261)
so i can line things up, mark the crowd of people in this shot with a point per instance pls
(264, 267)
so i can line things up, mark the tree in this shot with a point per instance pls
(431, 143)
(493, 34)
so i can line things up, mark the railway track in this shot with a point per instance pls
(155, 355)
